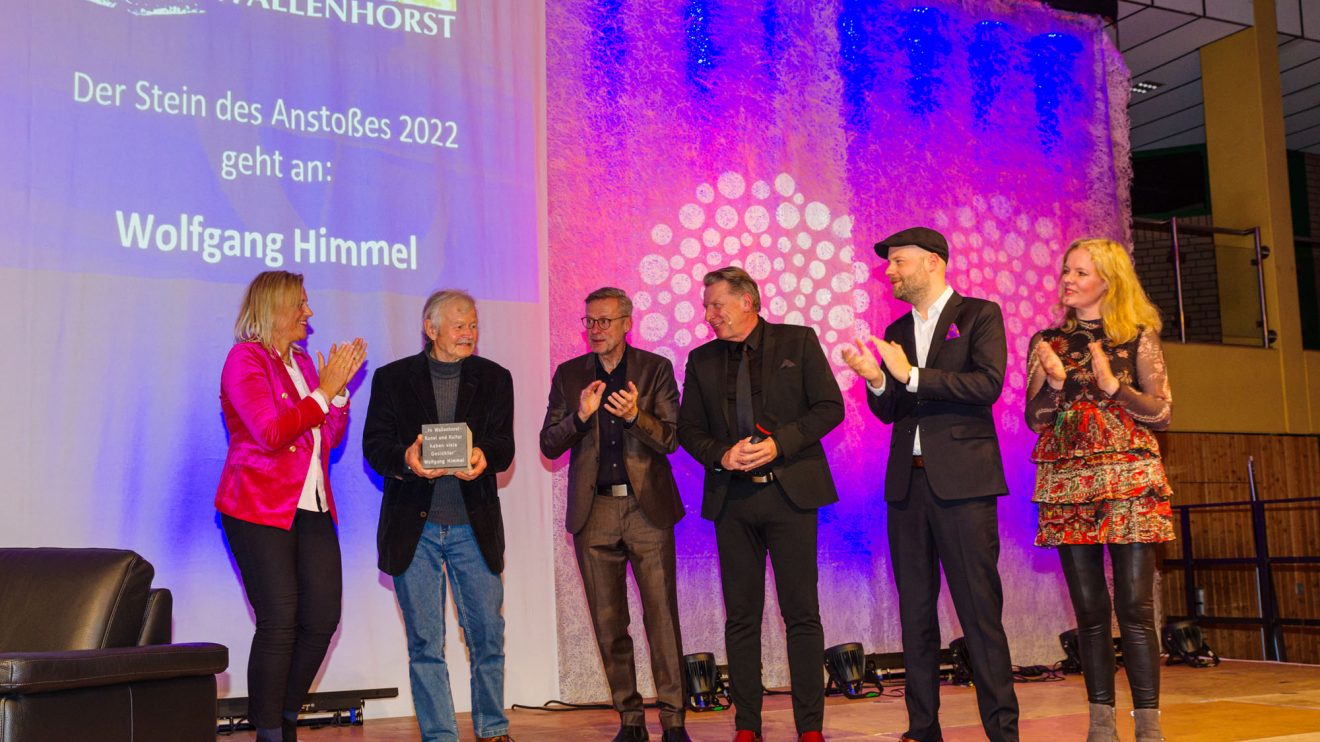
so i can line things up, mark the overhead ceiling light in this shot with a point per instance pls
(1146, 86)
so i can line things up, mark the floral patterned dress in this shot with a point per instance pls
(1099, 478)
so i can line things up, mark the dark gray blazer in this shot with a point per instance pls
(647, 443)
(800, 395)
(962, 378)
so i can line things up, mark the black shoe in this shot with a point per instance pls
(632, 733)
(676, 734)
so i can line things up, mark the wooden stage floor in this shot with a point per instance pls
(1236, 701)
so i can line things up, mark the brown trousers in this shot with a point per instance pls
(617, 534)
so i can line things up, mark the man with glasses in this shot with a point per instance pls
(616, 410)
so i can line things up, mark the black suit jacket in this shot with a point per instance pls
(647, 443)
(962, 378)
(800, 396)
(402, 400)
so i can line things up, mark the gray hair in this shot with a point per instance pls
(739, 283)
(609, 292)
(436, 302)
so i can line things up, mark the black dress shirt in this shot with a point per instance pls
(754, 345)
(612, 470)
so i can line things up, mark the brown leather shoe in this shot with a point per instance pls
(496, 738)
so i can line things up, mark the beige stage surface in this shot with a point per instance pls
(1238, 700)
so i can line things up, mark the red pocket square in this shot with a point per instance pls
(953, 333)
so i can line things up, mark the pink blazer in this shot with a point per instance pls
(270, 436)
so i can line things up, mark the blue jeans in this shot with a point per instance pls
(479, 597)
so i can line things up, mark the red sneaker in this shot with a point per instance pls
(745, 736)
(811, 737)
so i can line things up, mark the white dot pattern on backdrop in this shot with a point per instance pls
(798, 249)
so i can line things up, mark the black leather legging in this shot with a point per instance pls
(1134, 602)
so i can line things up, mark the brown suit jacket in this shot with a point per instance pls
(647, 443)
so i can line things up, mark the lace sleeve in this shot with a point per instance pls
(1042, 400)
(1150, 402)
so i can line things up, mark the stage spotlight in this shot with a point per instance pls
(849, 672)
(962, 662)
(1072, 652)
(705, 686)
(1185, 643)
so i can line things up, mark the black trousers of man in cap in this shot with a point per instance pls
(943, 509)
(944, 477)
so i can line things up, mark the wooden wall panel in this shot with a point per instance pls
(1212, 467)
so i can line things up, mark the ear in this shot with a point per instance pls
(429, 329)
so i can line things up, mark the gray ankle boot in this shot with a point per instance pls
(1148, 725)
(1102, 724)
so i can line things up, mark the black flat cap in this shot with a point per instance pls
(922, 237)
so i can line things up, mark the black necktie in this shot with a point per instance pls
(742, 404)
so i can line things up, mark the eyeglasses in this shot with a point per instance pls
(601, 322)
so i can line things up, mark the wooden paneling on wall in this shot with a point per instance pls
(1212, 467)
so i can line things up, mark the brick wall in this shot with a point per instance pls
(1153, 257)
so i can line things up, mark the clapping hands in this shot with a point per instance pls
(335, 373)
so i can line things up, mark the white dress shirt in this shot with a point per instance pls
(923, 330)
(313, 491)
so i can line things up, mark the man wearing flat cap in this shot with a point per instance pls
(939, 369)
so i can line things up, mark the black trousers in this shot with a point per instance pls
(1134, 602)
(294, 582)
(926, 533)
(617, 534)
(756, 520)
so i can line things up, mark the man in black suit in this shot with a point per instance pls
(616, 408)
(438, 522)
(943, 368)
(756, 402)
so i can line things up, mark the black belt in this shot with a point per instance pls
(613, 490)
(766, 478)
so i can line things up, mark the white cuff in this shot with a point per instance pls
(912, 380)
(320, 400)
(877, 390)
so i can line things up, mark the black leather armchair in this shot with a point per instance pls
(85, 653)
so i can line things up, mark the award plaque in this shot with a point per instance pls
(447, 446)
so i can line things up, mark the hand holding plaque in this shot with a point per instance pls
(447, 446)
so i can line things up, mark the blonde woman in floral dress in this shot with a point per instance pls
(1097, 391)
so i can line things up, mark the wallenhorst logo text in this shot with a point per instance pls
(424, 17)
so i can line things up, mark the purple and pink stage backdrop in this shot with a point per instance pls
(787, 137)
(157, 154)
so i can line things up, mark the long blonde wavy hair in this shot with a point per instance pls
(1125, 309)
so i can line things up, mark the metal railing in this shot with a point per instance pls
(1270, 622)
(1174, 228)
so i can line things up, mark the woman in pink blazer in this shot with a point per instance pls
(284, 414)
